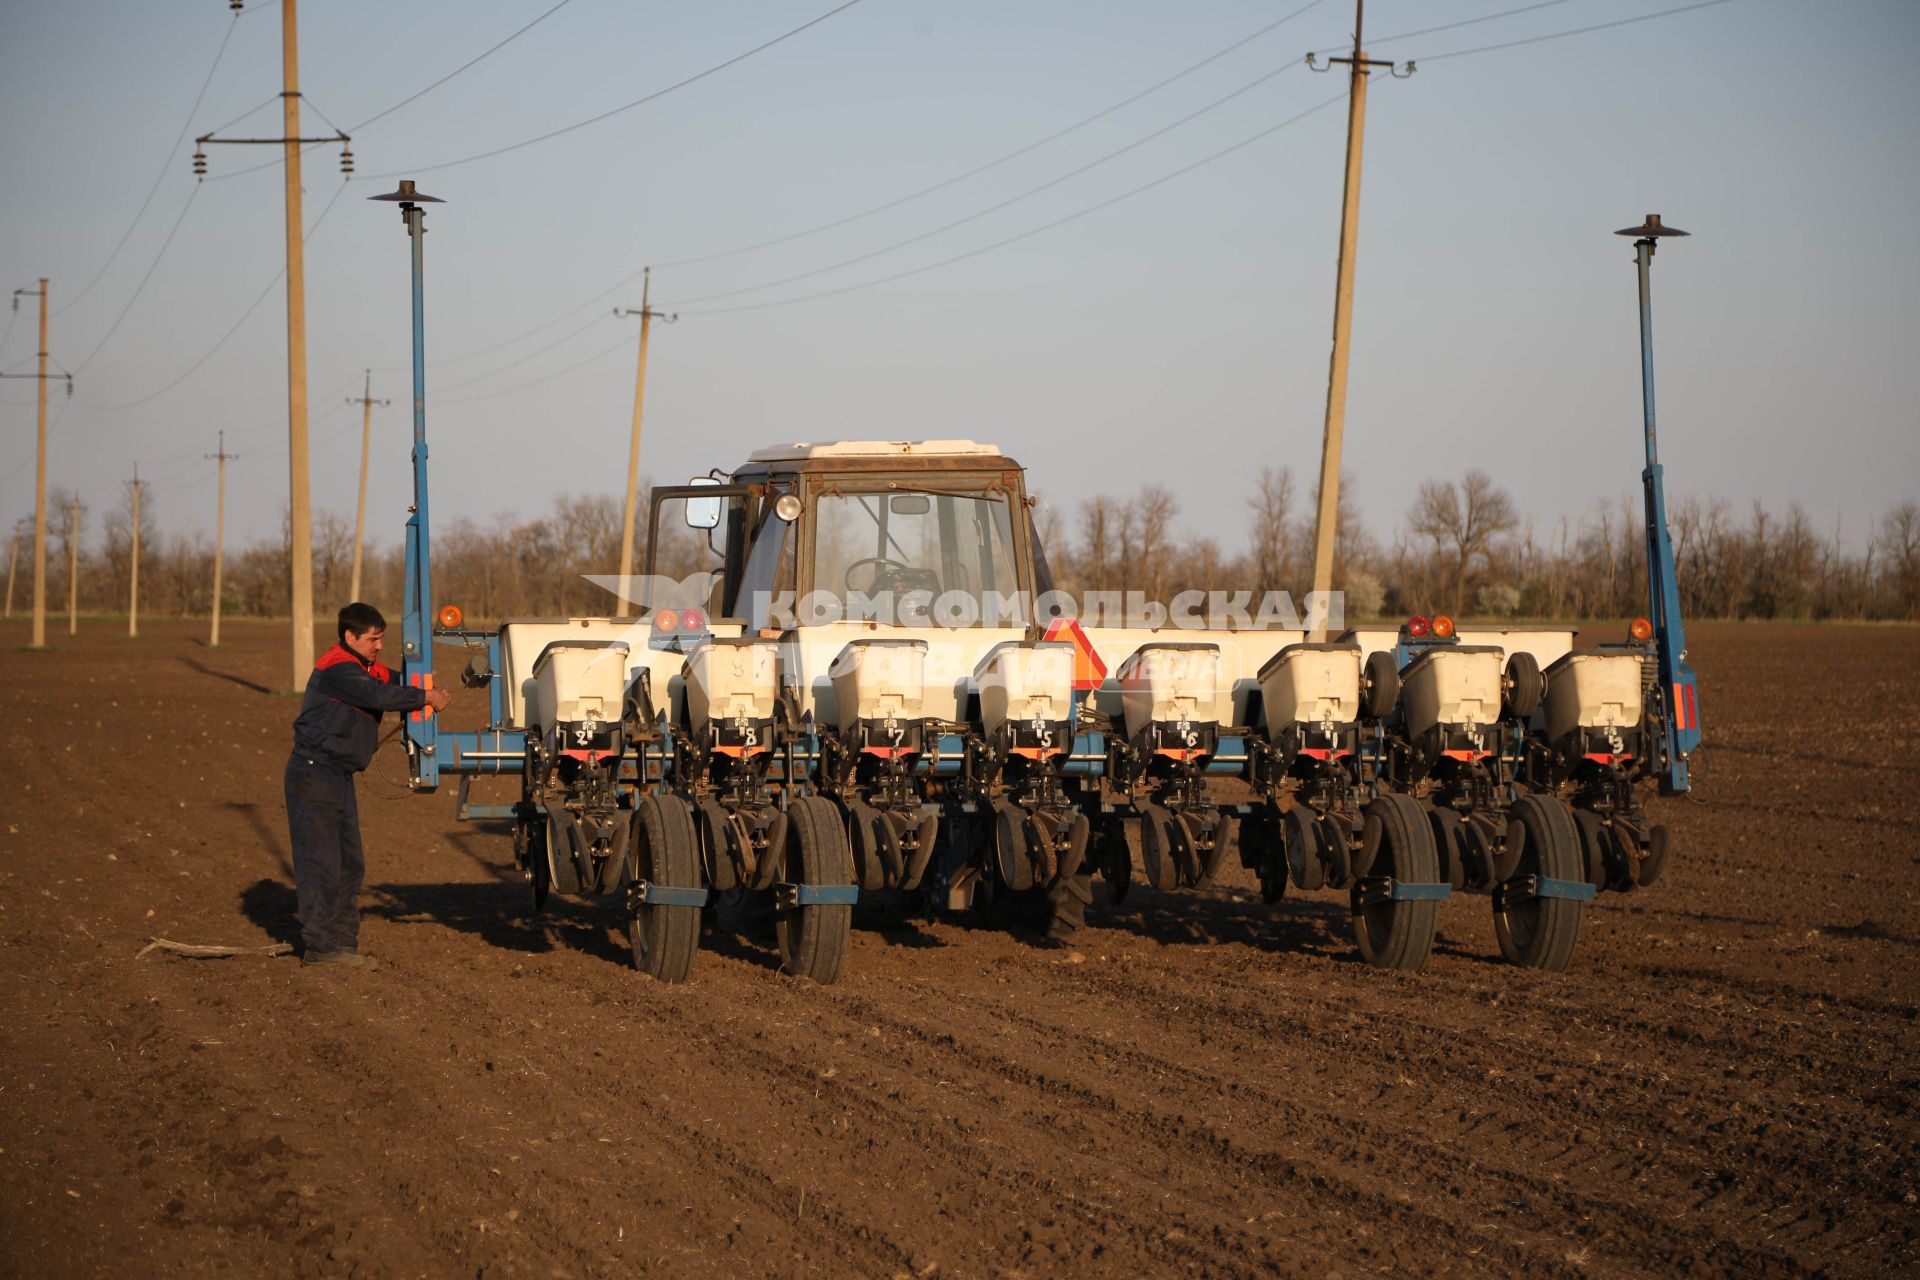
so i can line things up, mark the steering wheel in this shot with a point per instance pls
(902, 577)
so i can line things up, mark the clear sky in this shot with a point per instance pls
(1179, 335)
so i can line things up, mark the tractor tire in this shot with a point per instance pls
(1524, 685)
(813, 939)
(1541, 933)
(1398, 934)
(663, 849)
(1069, 897)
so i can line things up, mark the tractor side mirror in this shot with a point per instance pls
(703, 513)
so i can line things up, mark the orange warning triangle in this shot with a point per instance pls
(1088, 670)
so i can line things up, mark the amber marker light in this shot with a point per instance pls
(451, 617)
(1640, 629)
(1442, 627)
(666, 620)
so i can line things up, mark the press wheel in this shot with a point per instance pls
(1398, 933)
(813, 938)
(1540, 933)
(663, 850)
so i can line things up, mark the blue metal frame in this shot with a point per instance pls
(1679, 690)
(422, 731)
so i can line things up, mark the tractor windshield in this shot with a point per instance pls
(918, 559)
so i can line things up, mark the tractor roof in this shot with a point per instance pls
(805, 450)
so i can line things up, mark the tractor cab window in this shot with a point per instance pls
(766, 584)
(916, 558)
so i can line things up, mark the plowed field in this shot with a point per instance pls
(1727, 1082)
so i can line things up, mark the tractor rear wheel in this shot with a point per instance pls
(1536, 932)
(813, 938)
(1396, 933)
(663, 850)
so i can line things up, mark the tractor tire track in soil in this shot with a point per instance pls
(1725, 1083)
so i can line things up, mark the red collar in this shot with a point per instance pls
(340, 653)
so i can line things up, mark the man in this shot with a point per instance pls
(333, 739)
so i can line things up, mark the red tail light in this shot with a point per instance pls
(1442, 626)
(1418, 626)
(693, 620)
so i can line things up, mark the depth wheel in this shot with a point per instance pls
(813, 939)
(1398, 933)
(1156, 847)
(664, 850)
(539, 874)
(1303, 848)
(1541, 933)
(1116, 859)
(1010, 854)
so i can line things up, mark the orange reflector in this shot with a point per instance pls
(1418, 626)
(1443, 626)
(1640, 629)
(451, 617)
(666, 620)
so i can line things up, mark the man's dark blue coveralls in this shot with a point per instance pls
(333, 739)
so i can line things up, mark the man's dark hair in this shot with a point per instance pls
(361, 618)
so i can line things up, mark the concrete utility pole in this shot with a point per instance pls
(133, 597)
(1326, 517)
(366, 403)
(40, 475)
(299, 503)
(73, 566)
(647, 315)
(219, 538)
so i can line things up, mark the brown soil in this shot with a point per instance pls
(1726, 1083)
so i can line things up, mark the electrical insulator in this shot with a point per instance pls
(236, 5)
(346, 161)
(200, 164)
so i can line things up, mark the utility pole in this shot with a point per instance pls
(219, 537)
(299, 504)
(73, 566)
(39, 472)
(1326, 517)
(13, 559)
(647, 315)
(366, 403)
(133, 597)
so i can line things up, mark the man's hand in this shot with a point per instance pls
(437, 699)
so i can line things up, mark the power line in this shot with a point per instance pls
(139, 288)
(569, 336)
(1576, 31)
(1011, 200)
(606, 115)
(1127, 195)
(457, 70)
(160, 177)
(1453, 26)
(621, 345)
(225, 337)
(1025, 235)
(1015, 154)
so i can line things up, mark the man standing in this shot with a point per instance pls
(333, 739)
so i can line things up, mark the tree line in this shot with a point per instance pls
(1462, 547)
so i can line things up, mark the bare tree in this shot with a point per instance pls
(1899, 541)
(1271, 528)
(1462, 521)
